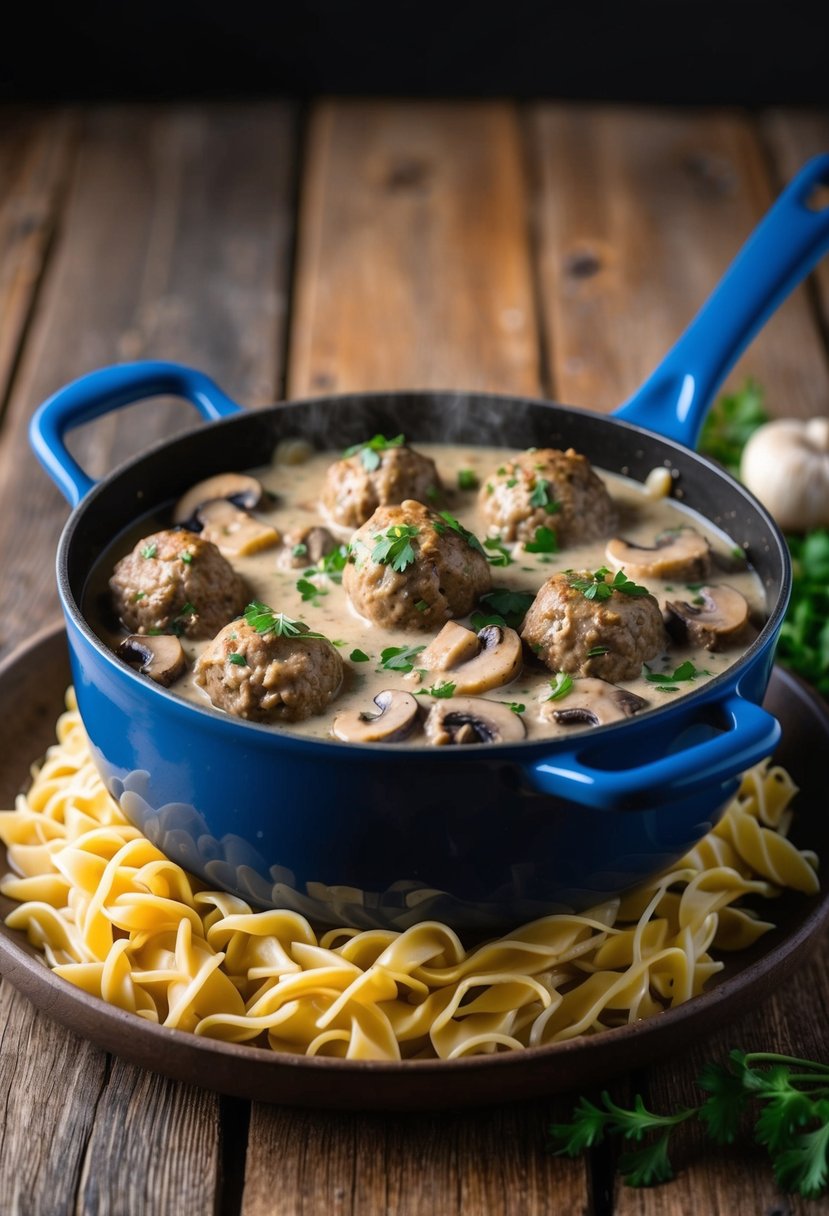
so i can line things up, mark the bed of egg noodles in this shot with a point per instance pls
(115, 917)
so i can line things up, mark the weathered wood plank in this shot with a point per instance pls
(174, 245)
(639, 214)
(792, 138)
(35, 156)
(413, 267)
(301, 1163)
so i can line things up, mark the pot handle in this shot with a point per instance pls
(781, 251)
(750, 735)
(109, 389)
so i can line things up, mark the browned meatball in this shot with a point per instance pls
(176, 582)
(268, 678)
(430, 573)
(352, 492)
(546, 488)
(563, 626)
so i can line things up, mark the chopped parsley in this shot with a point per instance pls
(264, 620)
(542, 496)
(560, 684)
(187, 557)
(449, 521)
(150, 550)
(394, 547)
(467, 479)
(139, 595)
(597, 587)
(439, 690)
(421, 606)
(667, 682)
(299, 550)
(238, 660)
(178, 624)
(595, 651)
(369, 451)
(399, 658)
(544, 541)
(509, 606)
(511, 483)
(500, 554)
(359, 656)
(515, 706)
(331, 564)
(309, 591)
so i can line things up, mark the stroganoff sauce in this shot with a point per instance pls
(296, 490)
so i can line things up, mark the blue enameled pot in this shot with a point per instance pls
(481, 837)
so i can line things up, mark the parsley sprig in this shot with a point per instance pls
(731, 422)
(542, 496)
(598, 588)
(788, 1098)
(399, 658)
(804, 636)
(264, 620)
(395, 547)
(369, 451)
(441, 691)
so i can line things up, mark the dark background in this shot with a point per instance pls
(669, 51)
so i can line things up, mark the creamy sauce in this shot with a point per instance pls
(297, 488)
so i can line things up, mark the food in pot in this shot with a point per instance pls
(411, 568)
(268, 668)
(380, 472)
(175, 581)
(545, 488)
(421, 629)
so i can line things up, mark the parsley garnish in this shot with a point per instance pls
(595, 651)
(150, 550)
(399, 658)
(542, 496)
(178, 624)
(560, 684)
(804, 636)
(187, 557)
(359, 656)
(238, 660)
(139, 595)
(309, 591)
(421, 606)
(467, 479)
(730, 424)
(544, 541)
(449, 521)
(439, 690)
(500, 555)
(394, 547)
(515, 706)
(299, 550)
(787, 1098)
(509, 606)
(597, 588)
(264, 620)
(331, 564)
(685, 671)
(370, 450)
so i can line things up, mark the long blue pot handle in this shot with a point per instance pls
(792, 237)
(108, 389)
(750, 735)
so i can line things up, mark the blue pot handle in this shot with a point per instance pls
(750, 735)
(781, 251)
(108, 389)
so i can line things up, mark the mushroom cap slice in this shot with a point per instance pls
(680, 553)
(474, 662)
(239, 488)
(234, 532)
(159, 656)
(593, 702)
(721, 619)
(462, 720)
(395, 720)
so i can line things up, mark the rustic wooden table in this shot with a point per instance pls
(549, 250)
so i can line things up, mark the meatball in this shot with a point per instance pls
(546, 488)
(353, 491)
(266, 677)
(563, 626)
(176, 582)
(429, 572)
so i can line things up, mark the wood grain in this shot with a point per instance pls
(36, 151)
(414, 266)
(639, 213)
(174, 244)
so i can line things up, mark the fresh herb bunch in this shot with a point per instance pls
(730, 423)
(598, 588)
(264, 620)
(395, 547)
(370, 450)
(804, 636)
(788, 1097)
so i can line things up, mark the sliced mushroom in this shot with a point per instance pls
(396, 719)
(235, 532)
(473, 720)
(720, 619)
(158, 656)
(313, 545)
(474, 662)
(681, 553)
(593, 702)
(238, 488)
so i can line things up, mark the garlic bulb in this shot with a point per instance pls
(786, 464)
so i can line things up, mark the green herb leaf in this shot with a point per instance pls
(359, 656)
(238, 660)
(299, 550)
(439, 690)
(187, 557)
(369, 451)
(331, 564)
(595, 651)
(467, 479)
(421, 606)
(394, 547)
(150, 550)
(449, 521)
(399, 658)
(542, 496)
(730, 424)
(544, 541)
(309, 591)
(515, 706)
(510, 606)
(685, 671)
(499, 554)
(560, 684)
(264, 620)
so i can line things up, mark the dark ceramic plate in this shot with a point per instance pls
(32, 684)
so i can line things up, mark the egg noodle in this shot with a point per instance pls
(115, 917)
